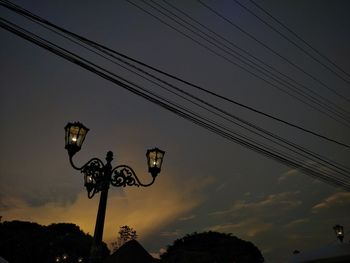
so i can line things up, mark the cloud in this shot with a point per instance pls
(285, 200)
(220, 187)
(250, 228)
(297, 222)
(255, 219)
(144, 209)
(172, 234)
(157, 254)
(288, 174)
(270, 205)
(337, 200)
(186, 218)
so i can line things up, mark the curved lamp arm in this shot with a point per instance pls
(124, 175)
(96, 160)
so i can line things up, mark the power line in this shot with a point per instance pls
(273, 51)
(244, 60)
(249, 54)
(94, 44)
(291, 41)
(322, 109)
(299, 37)
(296, 147)
(255, 66)
(172, 107)
(321, 174)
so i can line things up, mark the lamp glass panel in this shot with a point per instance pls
(73, 136)
(76, 135)
(81, 136)
(155, 158)
(152, 158)
(159, 159)
(339, 230)
(88, 179)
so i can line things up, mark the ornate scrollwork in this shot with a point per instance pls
(92, 168)
(98, 176)
(124, 175)
(93, 172)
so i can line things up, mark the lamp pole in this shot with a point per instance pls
(98, 177)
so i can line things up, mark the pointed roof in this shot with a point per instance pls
(130, 252)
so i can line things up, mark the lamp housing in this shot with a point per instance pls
(89, 182)
(74, 137)
(339, 232)
(154, 160)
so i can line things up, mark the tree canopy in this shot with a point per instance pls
(211, 247)
(30, 242)
(125, 234)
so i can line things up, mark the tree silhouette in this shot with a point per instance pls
(125, 234)
(211, 247)
(30, 242)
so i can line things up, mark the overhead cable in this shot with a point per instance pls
(299, 37)
(273, 51)
(319, 174)
(322, 109)
(249, 54)
(174, 77)
(291, 41)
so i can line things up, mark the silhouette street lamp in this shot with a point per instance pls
(98, 176)
(339, 232)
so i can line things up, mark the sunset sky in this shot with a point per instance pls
(207, 182)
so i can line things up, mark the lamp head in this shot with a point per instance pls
(154, 160)
(339, 232)
(74, 137)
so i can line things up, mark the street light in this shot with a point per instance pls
(63, 258)
(339, 232)
(99, 176)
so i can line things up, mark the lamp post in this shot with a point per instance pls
(339, 232)
(98, 176)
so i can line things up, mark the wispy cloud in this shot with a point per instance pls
(171, 234)
(250, 227)
(297, 222)
(336, 200)
(186, 218)
(270, 205)
(288, 174)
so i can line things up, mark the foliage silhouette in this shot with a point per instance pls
(30, 242)
(126, 234)
(211, 247)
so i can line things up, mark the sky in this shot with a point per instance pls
(207, 182)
